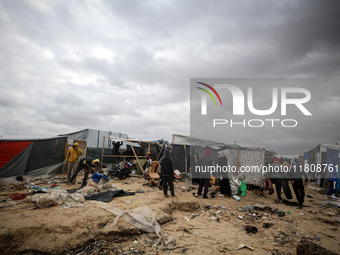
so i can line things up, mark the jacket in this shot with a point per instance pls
(167, 165)
(72, 155)
(86, 163)
(296, 174)
(204, 163)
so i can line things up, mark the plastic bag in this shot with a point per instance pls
(142, 218)
(242, 190)
(234, 184)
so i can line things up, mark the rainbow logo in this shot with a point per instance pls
(209, 93)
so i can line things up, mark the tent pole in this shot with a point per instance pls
(238, 158)
(136, 157)
(160, 152)
(185, 159)
(65, 153)
(101, 162)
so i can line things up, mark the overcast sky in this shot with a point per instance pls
(125, 66)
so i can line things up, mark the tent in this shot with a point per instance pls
(326, 156)
(133, 145)
(31, 157)
(239, 156)
(91, 142)
(93, 138)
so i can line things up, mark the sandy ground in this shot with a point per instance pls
(191, 221)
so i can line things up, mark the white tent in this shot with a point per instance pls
(94, 138)
(240, 156)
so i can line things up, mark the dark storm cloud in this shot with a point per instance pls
(125, 65)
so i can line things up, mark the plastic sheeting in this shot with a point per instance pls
(254, 159)
(248, 158)
(94, 138)
(57, 197)
(142, 218)
(39, 157)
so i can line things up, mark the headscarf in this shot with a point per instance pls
(207, 152)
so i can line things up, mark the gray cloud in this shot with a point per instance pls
(126, 65)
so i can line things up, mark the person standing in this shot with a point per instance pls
(204, 162)
(296, 175)
(86, 164)
(116, 153)
(167, 174)
(224, 180)
(160, 183)
(148, 160)
(71, 160)
(193, 163)
(276, 178)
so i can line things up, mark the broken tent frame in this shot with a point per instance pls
(133, 150)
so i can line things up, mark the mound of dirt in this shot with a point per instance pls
(182, 206)
(306, 247)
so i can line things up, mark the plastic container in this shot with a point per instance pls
(237, 198)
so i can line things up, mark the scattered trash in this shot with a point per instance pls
(241, 246)
(91, 248)
(275, 252)
(281, 214)
(142, 218)
(214, 218)
(250, 229)
(267, 225)
(240, 217)
(18, 196)
(139, 191)
(187, 218)
(248, 207)
(237, 198)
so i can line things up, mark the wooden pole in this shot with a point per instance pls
(65, 152)
(101, 162)
(136, 157)
(160, 152)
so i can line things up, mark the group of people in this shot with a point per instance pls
(87, 164)
(292, 173)
(295, 175)
(204, 180)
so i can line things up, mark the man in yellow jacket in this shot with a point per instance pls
(72, 159)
